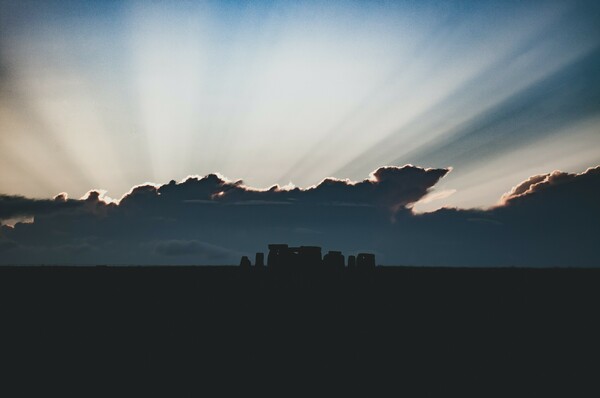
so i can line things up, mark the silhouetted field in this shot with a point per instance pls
(177, 328)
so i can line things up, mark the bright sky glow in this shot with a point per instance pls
(108, 95)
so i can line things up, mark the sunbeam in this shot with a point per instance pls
(108, 95)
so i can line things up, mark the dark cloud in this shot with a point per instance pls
(12, 206)
(557, 183)
(523, 187)
(547, 220)
(391, 187)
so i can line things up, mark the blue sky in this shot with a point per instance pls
(107, 95)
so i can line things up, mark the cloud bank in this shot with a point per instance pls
(544, 221)
(13, 206)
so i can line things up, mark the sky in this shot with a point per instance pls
(105, 96)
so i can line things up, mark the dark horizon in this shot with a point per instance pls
(175, 330)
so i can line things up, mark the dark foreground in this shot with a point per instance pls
(176, 331)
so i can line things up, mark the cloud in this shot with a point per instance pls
(522, 188)
(555, 183)
(14, 206)
(548, 220)
(391, 187)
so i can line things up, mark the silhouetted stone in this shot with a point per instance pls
(293, 258)
(278, 255)
(245, 262)
(334, 260)
(305, 262)
(365, 261)
(309, 254)
(259, 261)
(351, 262)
